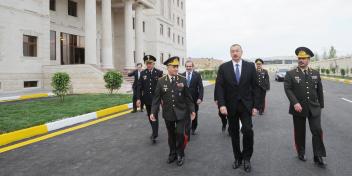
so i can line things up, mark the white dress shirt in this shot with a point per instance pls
(239, 67)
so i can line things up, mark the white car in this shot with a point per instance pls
(280, 74)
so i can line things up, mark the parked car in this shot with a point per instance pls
(280, 74)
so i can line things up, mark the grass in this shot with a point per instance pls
(339, 77)
(24, 114)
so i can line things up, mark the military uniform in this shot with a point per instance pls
(176, 101)
(264, 85)
(145, 91)
(305, 87)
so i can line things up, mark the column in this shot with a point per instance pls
(139, 33)
(129, 60)
(106, 35)
(90, 32)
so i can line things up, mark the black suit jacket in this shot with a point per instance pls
(229, 91)
(306, 91)
(196, 86)
(176, 99)
(135, 75)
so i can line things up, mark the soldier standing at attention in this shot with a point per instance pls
(304, 90)
(264, 84)
(145, 90)
(177, 105)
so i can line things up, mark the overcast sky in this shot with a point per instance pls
(267, 27)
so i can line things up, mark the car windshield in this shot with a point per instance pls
(283, 70)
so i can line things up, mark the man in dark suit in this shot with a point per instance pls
(264, 84)
(177, 104)
(136, 74)
(237, 95)
(304, 90)
(145, 90)
(195, 85)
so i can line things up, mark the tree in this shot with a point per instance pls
(332, 52)
(325, 55)
(113, 80)
(61, 84)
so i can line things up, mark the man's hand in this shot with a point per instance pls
(254, 112)
(138, 103)
(193, 115)
(223, 110)
(298, 107)
(152, 118)
(199, 101)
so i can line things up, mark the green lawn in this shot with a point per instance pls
(24, 114)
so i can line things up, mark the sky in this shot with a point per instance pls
(267, 28)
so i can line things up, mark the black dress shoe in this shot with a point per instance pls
(318, 160)
(180, 160)
(247, 166)
(236, 164)
(302, 157)
(153, 138)
(171, 159)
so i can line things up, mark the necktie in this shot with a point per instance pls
(238, 76)
(172, 80)
(189, 79)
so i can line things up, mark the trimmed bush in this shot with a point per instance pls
(113, 81)
(327, 71)
(343, 72)
(60, 83)
(322, 70)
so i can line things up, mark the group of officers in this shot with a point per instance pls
(240, 92)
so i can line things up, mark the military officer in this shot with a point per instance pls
(264, 84)
(145, 90)
(304, 90)
(174, 95)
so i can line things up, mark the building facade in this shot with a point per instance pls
(84, 38)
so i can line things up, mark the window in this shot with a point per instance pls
(182, 22)
(178, 3)
(169, 32)
(178, 20)
(161, 58)
(52, 45)
(133, 22)
(178, 39)
(182, 40)
(29, 84)
(288, 61)
(143, 26)
(29, 46)
(161, 29)
(134, 56)
(72, 49)
(173, 37)
(72, 8)
(181, 5)
(52, 5)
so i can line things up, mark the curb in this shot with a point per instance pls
(11, 137)
(26, 97)
(208, 82)
(345, 81)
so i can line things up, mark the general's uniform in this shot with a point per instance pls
(305, 87)
(146, 87)
(264, 85)
(176, 101)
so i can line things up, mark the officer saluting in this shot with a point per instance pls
(145, 90)
(174, 96)
(304, 90)
(264, 84)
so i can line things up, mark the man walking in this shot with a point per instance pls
(236, 91)
(264, 84)
(136, 74)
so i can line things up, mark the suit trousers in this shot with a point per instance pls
(241, 113)
(299, 124)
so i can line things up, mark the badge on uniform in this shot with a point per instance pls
(165, 87)
(145, 77)
(180, 85)
(314, 77)
(297, 79)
